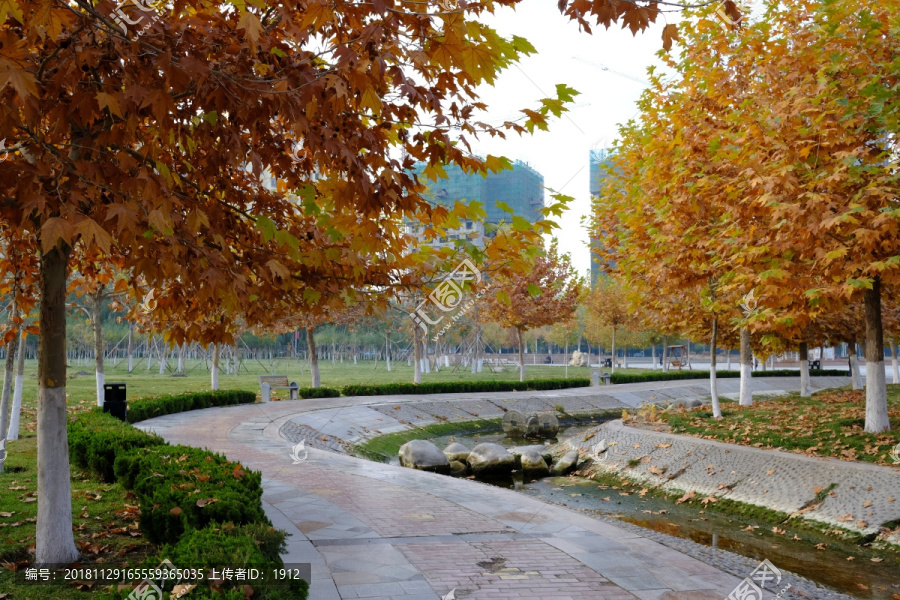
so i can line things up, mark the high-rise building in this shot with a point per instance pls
(521, 188)
(599, 163)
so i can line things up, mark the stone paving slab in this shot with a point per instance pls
(373, 530)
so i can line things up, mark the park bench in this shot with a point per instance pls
(267, 383)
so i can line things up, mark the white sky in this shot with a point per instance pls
(606, 99)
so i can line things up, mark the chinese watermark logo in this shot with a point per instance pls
(451, 595)
(144, 14)
(748, 304)
(895, 454)
(751, 588)
(4, 153)
(600, 451)
(296, 452)
(732, 14)
(296, 151)
(448, 297)
(447, 5)
(147, 589)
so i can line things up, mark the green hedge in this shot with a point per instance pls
(444, 387)
(96, 438)
(147, 408)
(196, 501)
(673, 375)
(170, 481)
(322, 392)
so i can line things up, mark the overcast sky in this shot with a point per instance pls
(606, 99)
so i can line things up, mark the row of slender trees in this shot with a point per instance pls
(755, 200)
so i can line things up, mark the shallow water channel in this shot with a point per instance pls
(820, 558)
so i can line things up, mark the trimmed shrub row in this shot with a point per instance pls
(147, 408)
(673, 375)
(181, 488)
(444, 387)
(322, 392)
(207, 509)
(96, 439)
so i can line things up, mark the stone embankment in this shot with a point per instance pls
(860, 497)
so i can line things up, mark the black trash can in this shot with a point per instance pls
(114, 400)
(607, 362)
(816, 365)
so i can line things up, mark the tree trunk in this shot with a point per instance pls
(877, 419)
(855, 379)
(130, 347)
(665, 354)
(163, 353)
(521, 354)
(894, 362)
(181, 350)
(8, 379)
(54, 543)
(214, 372)
(417, 357)
(313, 357)
(746, 397)
(97, 326)
(387, 352)
(728, 353)
(713, 385)
(614, 349)
(804, 370)
(653, 356)
(625, 356)
(17, 394)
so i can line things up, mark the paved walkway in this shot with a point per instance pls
(373, 530)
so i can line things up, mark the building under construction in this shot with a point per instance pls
(521, 188)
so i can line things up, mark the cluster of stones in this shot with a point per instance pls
(485, 461)
(542, 425)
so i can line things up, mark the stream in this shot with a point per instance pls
(820, 558)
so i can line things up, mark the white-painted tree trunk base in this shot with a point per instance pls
(746, 397)
(876, 399)
(804, 379)
(130, 363)
(100, 379)
(54, 543)
(714, 394)
(895, 365)
(16, 409)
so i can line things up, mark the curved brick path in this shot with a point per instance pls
(373, 530)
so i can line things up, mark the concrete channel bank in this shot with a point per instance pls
(373, 530)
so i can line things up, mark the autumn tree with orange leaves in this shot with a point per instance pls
(771, 158)
(152, 146)
(548, 293)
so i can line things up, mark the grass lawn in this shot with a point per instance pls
(105, 521)
(143, 382)
(830, 423)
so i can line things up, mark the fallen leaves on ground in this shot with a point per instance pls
(830, 423)
(687, 497)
